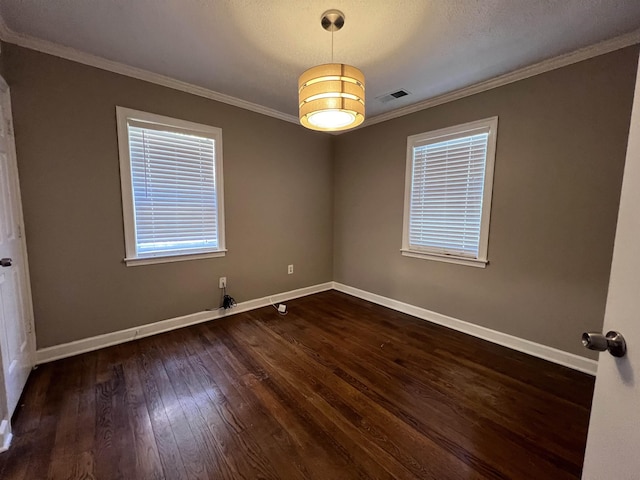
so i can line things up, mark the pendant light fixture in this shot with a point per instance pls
(331, 96)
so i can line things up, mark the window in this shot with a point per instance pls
(172, 196)
(448, 193)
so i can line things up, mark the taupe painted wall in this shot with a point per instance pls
(278, 197)
(560, 154)
(561, 145)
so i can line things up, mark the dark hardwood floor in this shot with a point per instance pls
(337, 389)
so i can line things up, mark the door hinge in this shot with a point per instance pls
(9, 128)
(19, 231)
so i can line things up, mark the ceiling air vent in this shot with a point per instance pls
(392, 96)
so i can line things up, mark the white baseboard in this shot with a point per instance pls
(5, 435)
(551, 354)
(77, 347)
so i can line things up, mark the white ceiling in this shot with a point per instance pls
(255, 50)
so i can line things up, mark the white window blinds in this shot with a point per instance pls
(173, 175)
(446, 207)
(446, 198)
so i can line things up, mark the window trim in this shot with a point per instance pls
(132, 258)
(420, 139)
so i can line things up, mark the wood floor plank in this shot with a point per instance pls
(210, 430)
(63, 452)
(525, 369)
(310, 416)
(379, 434)
(14, 463)
(479, 395)
(369, 380)
(338, 388)
(39, 442)
(39, 384)
(191, 439)
(148, 464)
(125, 438)
(108, 381)
(84, 460)
(227, 420)
(166, 442)
(279, 434)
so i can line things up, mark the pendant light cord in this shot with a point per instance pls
(331, 45)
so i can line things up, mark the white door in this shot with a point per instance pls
(613, 444)
(16, 332)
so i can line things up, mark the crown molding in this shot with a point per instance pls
(547, 65)
(68, 53)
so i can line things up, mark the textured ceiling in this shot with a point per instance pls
(255, 50)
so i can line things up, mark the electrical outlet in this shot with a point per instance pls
(222, 283)
(290, 269)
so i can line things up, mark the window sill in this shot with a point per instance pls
(469, 262)
(134, 262)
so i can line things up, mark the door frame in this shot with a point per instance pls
(5, 423)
